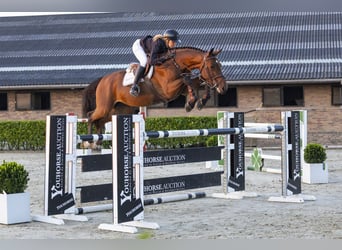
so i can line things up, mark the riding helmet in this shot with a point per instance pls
(172, 35)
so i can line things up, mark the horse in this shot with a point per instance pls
(166, 84)
(89, 95)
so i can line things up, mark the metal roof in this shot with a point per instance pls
(73, 50)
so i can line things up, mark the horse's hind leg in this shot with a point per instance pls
(88, 144)
(90, 123)
(99, 125)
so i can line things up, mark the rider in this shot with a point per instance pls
(156, 48)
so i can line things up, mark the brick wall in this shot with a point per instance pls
(62, 101)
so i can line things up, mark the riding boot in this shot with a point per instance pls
(135, 90)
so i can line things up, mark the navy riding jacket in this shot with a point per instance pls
(156, 50)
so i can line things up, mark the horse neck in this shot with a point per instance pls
(189, 58)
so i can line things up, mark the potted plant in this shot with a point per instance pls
(14, 201)
(315, 170)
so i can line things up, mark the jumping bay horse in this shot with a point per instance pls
(89, 95)
(169, 81)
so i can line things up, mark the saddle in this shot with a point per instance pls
(131, 71)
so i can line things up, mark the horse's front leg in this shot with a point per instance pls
(202, 101)
(192, 99)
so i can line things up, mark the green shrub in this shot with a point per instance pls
(22, 135)
(314, 153)
(30, 135)
(13, 178)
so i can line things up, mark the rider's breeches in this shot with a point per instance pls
(139, 53)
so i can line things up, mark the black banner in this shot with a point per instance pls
(237, 177)
(294, 180)
(104, 192)
(58, 199)
(156, 158)
(180, 183)
(181, 156)
(127, 204)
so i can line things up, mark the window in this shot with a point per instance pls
(293, 96)
(33, 101)
(283, 96)
(3, 101)
(271, 97)
(229, 99)
(336, 95)
(41, 100)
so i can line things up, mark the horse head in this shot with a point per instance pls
(211, 71)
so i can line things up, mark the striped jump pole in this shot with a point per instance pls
(176, 197)
(263, 136)
(147, 202)
(94, 137)
(211, 131)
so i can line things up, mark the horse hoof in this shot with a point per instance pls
(97, 148)
(188, 108)
(84, 144)
(199, 105)
(94, 147)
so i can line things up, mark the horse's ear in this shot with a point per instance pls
(214, 52)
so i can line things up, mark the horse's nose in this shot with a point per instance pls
(222, 89)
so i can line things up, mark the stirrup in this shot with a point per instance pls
(135, 90)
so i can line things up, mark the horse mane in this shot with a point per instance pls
(189, 47)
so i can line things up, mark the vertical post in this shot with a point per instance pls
(237, 176)
(143, 111)
(294, 169)
(126, 205)
(221, 139)
(71, 155)
(291, 159)
(303, 132)
(57, 197)
(233, 177)
(291, 153)
(284, 153)
(224, 121)
(138, 159)
(127, 190)
(233, 154)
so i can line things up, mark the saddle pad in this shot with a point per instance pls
(129, 76)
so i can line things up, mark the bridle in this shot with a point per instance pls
(211, 82)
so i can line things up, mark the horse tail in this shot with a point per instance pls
(89, 98)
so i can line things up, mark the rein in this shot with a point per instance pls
(211, 82)
(212, 78)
